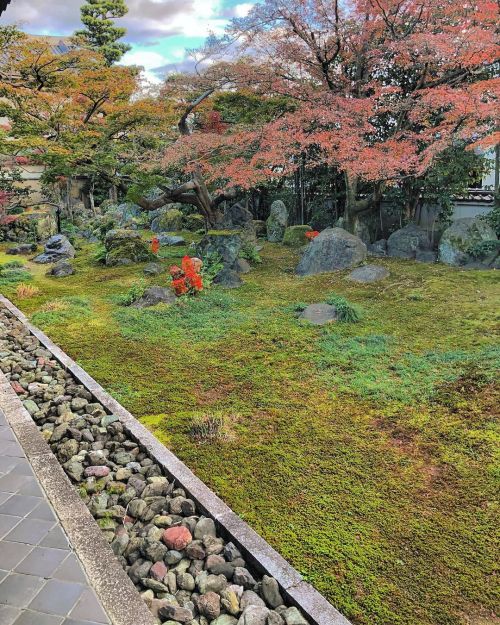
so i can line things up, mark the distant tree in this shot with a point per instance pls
(100, 33)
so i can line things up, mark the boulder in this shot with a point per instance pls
(379, 248)
(331, 250)
(28, 226)
(57, 248)
(225, 243)
(319, 314)
(171, 240)
(168, 219)
(277, 222)
(154, 295)
(238, 217)
(24, 248)
(153, 269)
(126, 213)
(426, 256)
(124, 247)
(405, 242)
(61, 269)
(242, 266)
(295, 236)
(368, 274)
(228, 278)
(460, 243)
(260, 227)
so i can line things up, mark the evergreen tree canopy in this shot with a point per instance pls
(100, 33)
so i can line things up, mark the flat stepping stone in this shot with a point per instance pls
(368, 274)
(319, 314)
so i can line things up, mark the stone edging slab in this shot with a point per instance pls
(114, 588)
(257, 551)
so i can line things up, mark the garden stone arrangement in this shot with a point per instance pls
(185, 571)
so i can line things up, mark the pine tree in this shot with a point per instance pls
(100, 33)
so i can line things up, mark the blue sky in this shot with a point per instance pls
(158, 30)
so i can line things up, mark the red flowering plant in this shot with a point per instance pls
(155, 245)
(186, 279)
(312, 234)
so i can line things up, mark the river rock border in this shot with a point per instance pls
(208, 569)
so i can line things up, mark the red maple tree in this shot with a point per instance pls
(378, 89)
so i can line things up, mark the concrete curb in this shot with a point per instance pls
(255, 549)
(117, 593)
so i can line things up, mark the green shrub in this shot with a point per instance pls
(135, 292)
(249, 252)
(212, 265)
(347, 312)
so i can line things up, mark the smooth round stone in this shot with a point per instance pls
(368, 274)
(319, 314)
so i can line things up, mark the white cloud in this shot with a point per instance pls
(242, 10)
(145, 58)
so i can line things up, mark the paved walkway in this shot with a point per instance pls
(41, 580)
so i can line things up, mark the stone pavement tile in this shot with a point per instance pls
(3, 420)
(42, 511)
(28, 617)
(8, 614)
(18, 590)
(30, 531)
(71, 570)
(57, 597)
(7, 463)
(11, 448)
(55, 538)
(23, 467)
(4, 497)
(6, 434)
(89, 608)
(7, 522)
(11, 482)
(31, 487)
(19, 505)
(42, 561)
(12, 553)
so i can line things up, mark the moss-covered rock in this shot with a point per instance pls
(194, 222)
(277, 222)
(226, 243)
(295, 236)
(461, 242)
(260, 227)
(28, 226)
(124, 247)
(167, 220)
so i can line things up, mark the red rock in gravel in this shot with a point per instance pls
(97, 471)
(18, 388)
(177, 538)
(158, 571)
(209, 605)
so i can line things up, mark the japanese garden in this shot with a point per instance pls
(280, 262)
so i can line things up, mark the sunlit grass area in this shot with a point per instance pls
(366, 452)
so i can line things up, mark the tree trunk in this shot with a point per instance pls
(113, 194)
(356, 207)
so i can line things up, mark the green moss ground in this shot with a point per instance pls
(364, 453)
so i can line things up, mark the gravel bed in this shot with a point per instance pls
(184, 571)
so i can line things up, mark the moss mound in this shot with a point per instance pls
(295, 236)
